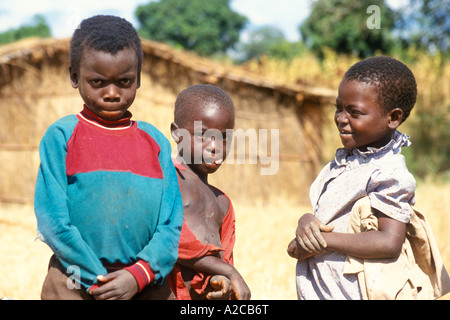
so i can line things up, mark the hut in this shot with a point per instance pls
(35, 91)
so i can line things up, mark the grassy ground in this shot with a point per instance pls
(263, 232)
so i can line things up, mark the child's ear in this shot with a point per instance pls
(73, 78)
(173, 130)
(396, 118)
(138, 81)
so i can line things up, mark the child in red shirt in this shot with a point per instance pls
(204, 269)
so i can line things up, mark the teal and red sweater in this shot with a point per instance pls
(107, 193)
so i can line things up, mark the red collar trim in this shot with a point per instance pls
(121, 123)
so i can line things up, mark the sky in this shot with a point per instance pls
(63, 16)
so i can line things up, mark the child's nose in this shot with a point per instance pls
(212, 144)
(341, 117)
(112, 93)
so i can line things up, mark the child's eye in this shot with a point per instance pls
(338, 107)
(354, 112)
(126, 82)
(96, 82)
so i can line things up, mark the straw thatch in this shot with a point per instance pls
(35, 91)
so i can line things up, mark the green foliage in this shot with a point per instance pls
(342, 25)
(430, 152)
(205, 27)
(269, 41)
(260, 42)
(38, 28)
(425, 24)
(430, 119)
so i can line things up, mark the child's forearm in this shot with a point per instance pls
(216, 266)
(210, 264)
(384, 243)
(366, 245)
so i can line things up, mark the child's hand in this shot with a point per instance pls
(239, 289)
(118, 285)
(221, 288)
(295, 251)
(309, 235)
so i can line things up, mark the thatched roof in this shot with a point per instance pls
(28, 54)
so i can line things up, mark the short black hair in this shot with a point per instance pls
(199, 96)
(393, 80)
(104, 33)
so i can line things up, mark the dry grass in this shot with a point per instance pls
(263, 232)
(23, 260)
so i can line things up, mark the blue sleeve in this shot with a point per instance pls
(51, 209)
(162, 250)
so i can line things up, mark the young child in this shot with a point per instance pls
(107, 198)
(375, 96)
(204, 114)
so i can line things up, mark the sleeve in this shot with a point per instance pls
(161, 252)
(192, 248)
(51, 209)
(142, 272)
(228, 234)
(392, 193)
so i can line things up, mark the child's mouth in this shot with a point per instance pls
(214, 161)
(345, 133)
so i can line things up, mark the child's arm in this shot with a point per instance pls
(51, 208)
(386, 242)
(216, 266)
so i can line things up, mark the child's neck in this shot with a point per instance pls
(201, 175)
(378, 144)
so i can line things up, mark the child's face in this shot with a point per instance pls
(359, 118)
(107, 83)
(209, 138)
